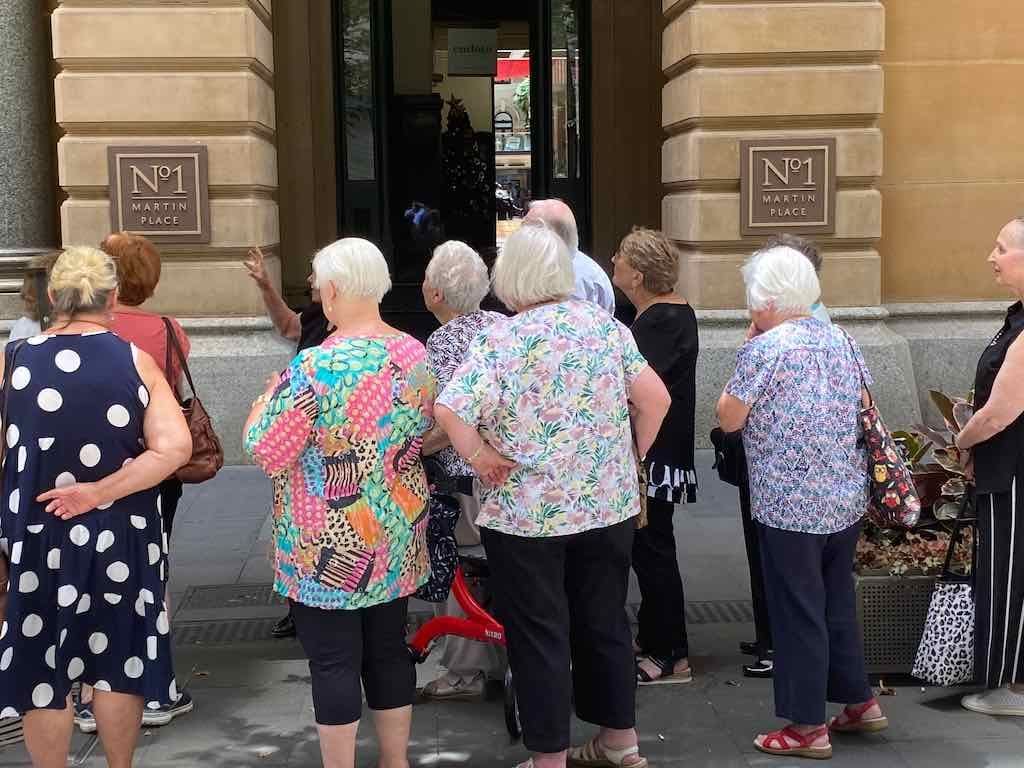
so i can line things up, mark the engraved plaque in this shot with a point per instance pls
(160, 192)
(788, 185)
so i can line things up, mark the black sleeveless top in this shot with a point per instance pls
(999, 458)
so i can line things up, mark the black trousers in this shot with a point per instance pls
(662, 614)
(170, 494)
(346, 647)
(819, 655)
(762, 623)
(999, 589)
(562, 600)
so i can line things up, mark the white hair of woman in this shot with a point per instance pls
(534, 266)
(356, 268)
(781, 279)
(458, 272)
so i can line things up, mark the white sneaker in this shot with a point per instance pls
(1001, 701)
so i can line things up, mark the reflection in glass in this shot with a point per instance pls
(357, 39)
(565, 70)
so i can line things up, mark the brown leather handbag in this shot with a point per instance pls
(207, 453)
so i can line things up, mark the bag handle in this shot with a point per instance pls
(172, 341)
(860, 369)
(963, 520)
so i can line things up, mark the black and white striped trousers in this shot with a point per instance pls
(999, 589)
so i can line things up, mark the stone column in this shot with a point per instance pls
(26, 180)
(776, 69)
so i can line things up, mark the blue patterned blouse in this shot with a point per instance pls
(802, 380)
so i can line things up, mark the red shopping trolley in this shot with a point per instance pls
(477, 625)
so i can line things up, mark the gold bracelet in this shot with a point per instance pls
(476, 452)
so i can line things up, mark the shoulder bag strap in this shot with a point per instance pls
(172, 341)
(963, 520)
(860, 369)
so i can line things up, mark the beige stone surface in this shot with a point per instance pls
(750, 29)
(235, 161)
(937, 30)
(696, 217)
(705, 155)
(713, 281)
(235, 223)
(949, 122)
(937, 237)
(743, 92)
(191, 288)
(111, 33)
(239, 97)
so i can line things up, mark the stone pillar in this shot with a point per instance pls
(26, 181)
(135, 72)
(763, 70)
(776, 69)
(138, 72)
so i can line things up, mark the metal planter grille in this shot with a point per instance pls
(892, 611)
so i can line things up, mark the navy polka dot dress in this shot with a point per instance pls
(86, 595)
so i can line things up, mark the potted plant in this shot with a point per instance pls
(896, 569)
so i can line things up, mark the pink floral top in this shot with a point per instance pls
(548, 389)
(341, 439)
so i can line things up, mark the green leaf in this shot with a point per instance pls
(962, 413)
(949, 459)
(955, 487)
(946, 510)
(944, 404)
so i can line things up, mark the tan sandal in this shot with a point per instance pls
(593, 754)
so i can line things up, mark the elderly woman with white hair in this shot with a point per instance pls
(455, 283)
(541, 410)
(339, 432)
(796, 394)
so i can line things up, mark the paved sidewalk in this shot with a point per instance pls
(253, 703)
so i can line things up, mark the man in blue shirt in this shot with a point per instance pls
(592, 283)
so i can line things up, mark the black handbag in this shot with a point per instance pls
(730, 456)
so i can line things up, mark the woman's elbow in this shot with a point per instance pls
(181, 451)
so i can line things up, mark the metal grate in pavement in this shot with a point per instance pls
(720, 612)
(229, 596)
(228, 631)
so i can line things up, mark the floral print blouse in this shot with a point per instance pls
(341, 438)
(547, 388)
(446, 349)
(802, 380)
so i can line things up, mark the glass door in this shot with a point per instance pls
(562, 74)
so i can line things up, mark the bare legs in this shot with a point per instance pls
(118, 717)
(338, 742)
(48, 736)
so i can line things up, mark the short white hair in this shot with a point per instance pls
(533, 266)
(460, 274)
(355, 267)
(781, 278)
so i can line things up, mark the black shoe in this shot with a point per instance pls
(762, 668)
(750, 648)
(284, 628)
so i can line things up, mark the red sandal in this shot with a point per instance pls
(855, 721)
(778, 743)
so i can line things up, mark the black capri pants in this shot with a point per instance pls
(346, 647)
(562, 600)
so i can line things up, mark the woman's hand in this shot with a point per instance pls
(968, 460)
(491, 467)
(256, 267)
(752, 331)
(71, 500)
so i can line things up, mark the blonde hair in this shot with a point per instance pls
(460, 274)
(534, 266)
(82, 280)
(654, 256)
(355, 266)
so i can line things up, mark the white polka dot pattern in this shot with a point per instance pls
(68, 360)
(118, 416)
(50, 400)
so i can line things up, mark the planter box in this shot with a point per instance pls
(892, 611)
